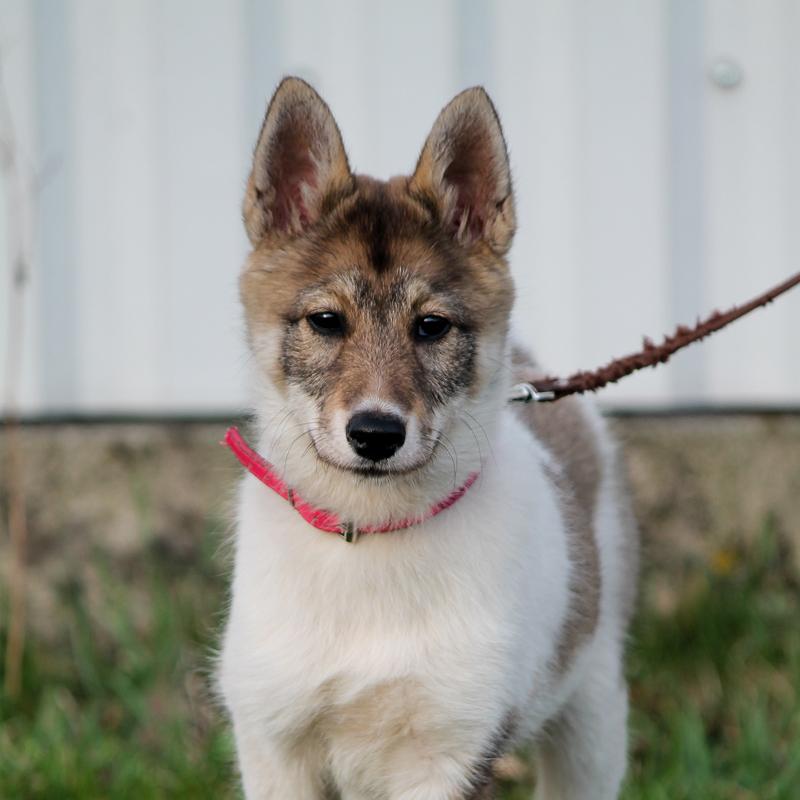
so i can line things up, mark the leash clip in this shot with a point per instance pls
(527, 393)
(349, 532)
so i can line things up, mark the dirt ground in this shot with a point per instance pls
(703, 485)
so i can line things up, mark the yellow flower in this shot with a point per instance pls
(723, 561)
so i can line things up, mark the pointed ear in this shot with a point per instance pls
(464, 170)
(299, 165)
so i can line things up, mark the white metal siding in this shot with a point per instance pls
(647, 194)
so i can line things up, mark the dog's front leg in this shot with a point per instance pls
(583, 755)
(270, 772)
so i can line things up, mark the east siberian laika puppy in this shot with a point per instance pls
(486, 599)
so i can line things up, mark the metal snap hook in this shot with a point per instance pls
(527, 393)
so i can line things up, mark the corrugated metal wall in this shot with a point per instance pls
(654, 146)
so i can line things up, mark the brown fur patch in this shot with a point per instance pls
(563, 428)
(384, 712)
(394, 712)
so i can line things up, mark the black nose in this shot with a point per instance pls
(375, 436)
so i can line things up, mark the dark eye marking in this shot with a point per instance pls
(431, 328)
(327, 323)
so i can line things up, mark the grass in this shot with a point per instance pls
(716, 682)
(120, 708)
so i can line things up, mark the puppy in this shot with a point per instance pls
(425, 575)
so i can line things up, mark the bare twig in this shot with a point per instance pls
(18, 203)
(18, 534)
(652, 354)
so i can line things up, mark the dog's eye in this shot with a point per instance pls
(326, 322)
(431, 328)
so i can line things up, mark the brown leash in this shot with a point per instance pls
(549, 389)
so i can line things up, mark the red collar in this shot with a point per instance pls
(325, 520)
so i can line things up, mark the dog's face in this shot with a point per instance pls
(378, 311)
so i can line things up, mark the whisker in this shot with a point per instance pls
(477, 443)
(293, 443)
(446, 446)
(451, 447)
(483, 431)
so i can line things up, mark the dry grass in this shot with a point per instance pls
(116, 704)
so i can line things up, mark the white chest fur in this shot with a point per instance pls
(451, 623)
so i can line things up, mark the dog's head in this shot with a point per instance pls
(377, 311)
